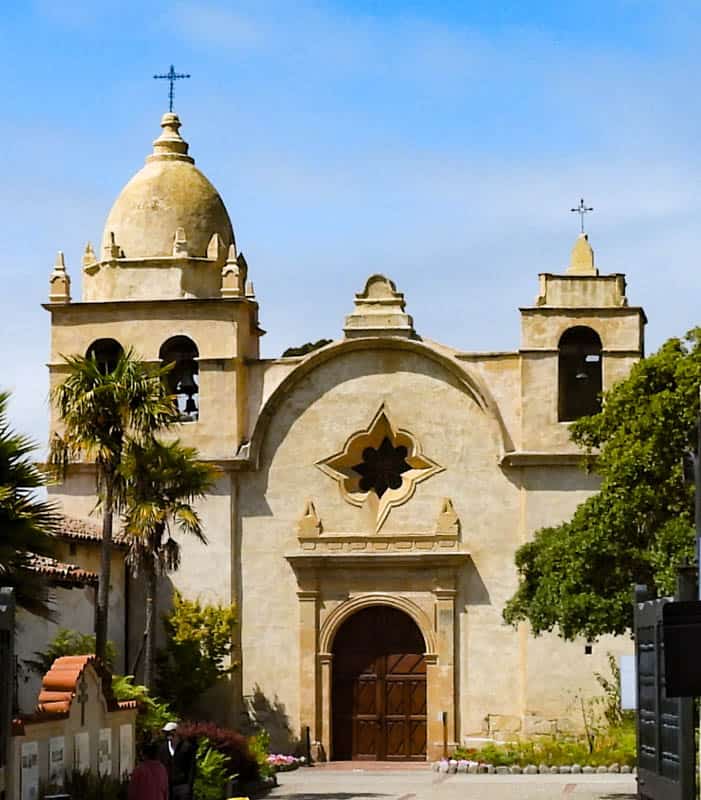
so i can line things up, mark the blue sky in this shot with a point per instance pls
(439, 143)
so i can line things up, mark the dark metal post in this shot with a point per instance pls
(444, 716)
(308, 745)
(697, 494)
(7, 670)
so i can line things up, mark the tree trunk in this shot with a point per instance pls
(103, 593)
(150, 649)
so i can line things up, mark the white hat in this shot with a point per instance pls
(170, 726)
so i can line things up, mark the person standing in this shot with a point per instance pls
(149, 781)
(177, 755)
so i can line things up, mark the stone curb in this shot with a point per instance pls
(452, 766)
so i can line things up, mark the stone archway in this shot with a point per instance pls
(379, 687)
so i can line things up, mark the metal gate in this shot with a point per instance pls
(666, 752)
(7, 671)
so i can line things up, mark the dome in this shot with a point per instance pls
(168, 194)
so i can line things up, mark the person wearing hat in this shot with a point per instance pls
(177, 755)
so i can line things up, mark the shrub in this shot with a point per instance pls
(199, 639)
(89, 786)
(259, 747)
(68, 643)
(230, 743)
(212, 774)
(152, 712)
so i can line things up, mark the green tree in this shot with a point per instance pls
(577, 577)
(162, 481)
(68, 643)
(199, 641)
(26, 522)
(101, 410)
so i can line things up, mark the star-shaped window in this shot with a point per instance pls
(382, 467)
(379, 467)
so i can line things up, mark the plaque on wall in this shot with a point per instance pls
(30, 770)
(104, 752)
(57, 748)
(81, 751)
(126, 750)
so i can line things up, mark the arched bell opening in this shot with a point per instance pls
(106, 353)
(183, 378)
(379, 698)
(579, 373)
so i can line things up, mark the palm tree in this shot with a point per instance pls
(26, 522)
(102, 408)
(162, 482)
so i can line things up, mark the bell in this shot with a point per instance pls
(187, 381)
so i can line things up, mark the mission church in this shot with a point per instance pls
(372, 492)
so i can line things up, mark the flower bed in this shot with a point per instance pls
(282, 763)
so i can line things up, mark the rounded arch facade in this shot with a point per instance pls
(333, 622)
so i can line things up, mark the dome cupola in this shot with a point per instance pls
(169, 208)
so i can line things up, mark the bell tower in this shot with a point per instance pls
(168, 282)
(579, 338)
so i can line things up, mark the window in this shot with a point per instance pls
(579, 373)
(382, 467)
(106, 353)
(183, 379)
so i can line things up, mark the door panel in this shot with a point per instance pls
(379, 687)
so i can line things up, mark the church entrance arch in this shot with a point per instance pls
(379, 687)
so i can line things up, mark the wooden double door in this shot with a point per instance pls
(379, 688)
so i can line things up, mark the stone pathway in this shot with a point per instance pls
(418, 782)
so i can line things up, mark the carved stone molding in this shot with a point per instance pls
(341, 466)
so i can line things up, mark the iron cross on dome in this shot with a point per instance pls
(582, 209)
(171, 76)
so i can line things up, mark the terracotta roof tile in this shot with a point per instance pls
(61, 572)
(60, 684)
(86, 530)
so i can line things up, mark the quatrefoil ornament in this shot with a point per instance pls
(379, 467)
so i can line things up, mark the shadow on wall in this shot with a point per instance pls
(272, 717)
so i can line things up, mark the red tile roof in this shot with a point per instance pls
(86, 530)
(62, 573)
(60, 684)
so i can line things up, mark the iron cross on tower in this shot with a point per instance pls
(581, 209)
(171, 76)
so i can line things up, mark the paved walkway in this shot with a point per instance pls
(345, 782)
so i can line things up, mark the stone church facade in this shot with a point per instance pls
(373, 491)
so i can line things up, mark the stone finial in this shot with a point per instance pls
(180, 243)
(89, 257)
(215, 248)
(233, 274)
(250, 291)
(309, 525)
(111, 250)
(582, 258)
(379, 311)
(170, 145)
(448, 522)
(59, 282)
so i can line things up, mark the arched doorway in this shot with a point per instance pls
(379, 687)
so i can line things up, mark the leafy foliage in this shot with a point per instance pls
(27, 524)
(101, 412)
(613, 746)
(307, 347)
(211, 776)
(153, 713)
(162, 480)
(230, 743)
(68, 643)
(199, 640)
(259, 747)
(577, 577)
(89, 786)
